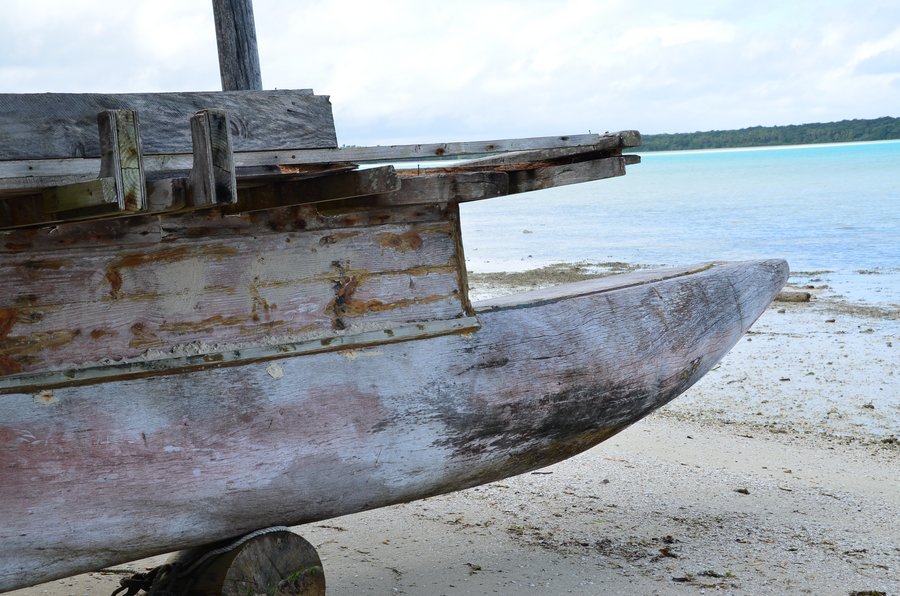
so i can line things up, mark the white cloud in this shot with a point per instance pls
(408, 70)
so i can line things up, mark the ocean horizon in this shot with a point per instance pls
(832, 210)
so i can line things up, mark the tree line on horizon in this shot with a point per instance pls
(845, 131)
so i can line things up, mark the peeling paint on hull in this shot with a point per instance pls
(107, 473)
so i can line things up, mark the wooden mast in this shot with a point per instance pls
(236, 39)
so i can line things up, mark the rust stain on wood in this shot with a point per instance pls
(41, 264)
(143, 337)
(45, 397)
(100, 333)
(344, 287)
(206, 325)
(355, 308)
(9, 366)
(115, 283)
(171, 255)
(8, 318)
(259, 303)
(17, 246)
(336, 237)
(16, 352)
(402, 242)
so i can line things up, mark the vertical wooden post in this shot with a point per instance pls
(212, 175)
(236, 39)
(120, 156)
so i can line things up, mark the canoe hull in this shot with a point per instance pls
(106, 473)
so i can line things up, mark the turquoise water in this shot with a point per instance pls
(832, 208)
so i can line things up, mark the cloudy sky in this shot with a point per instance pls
(423, 70)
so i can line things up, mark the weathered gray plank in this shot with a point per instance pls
(25, 173)
(341, 185)
(177, 194)
(196, 290)
(607, 145)
(39, 126)
(575, 173)
(236, 41)
(458, 187)
(272, 443)
(146, 231)
(121, 158)
(79, 197)
(212, 179)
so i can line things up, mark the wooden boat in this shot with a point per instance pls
(213, 320)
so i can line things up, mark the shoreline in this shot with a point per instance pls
(771, 475)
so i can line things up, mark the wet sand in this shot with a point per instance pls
(777, 473)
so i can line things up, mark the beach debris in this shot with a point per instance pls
(742, 490)
(829, 320)
(869, 406)
(666, 552)
(793, 296)
(868, 593)
(684, 579)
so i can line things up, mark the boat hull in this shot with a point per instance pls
(105, 473)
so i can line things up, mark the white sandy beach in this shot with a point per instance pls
(778, 473)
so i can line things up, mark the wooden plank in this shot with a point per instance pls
(552, 176)
(198, 291)
(18, 173)
(212, 179)
(609, 145)
(236, 41)
(120, 157)
(257, 353)
(458, 187)
(73, 197)
(342, 185)
(38, 126)
(146, 231)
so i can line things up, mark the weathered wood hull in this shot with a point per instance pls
(100, 474)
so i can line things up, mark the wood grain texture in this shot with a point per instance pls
(236, 41)
(562, 175)
(197, 291)
(103, 474)
(277, 563)
(212, 179)
(16, 173)
(39, 126)
(121, 158)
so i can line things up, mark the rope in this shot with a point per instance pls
(161, 581)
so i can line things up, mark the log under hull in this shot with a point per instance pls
(102, 474)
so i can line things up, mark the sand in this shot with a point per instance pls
(778, 473)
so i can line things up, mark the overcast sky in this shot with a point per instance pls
(423, 70)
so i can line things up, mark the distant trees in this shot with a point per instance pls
(845, 131)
